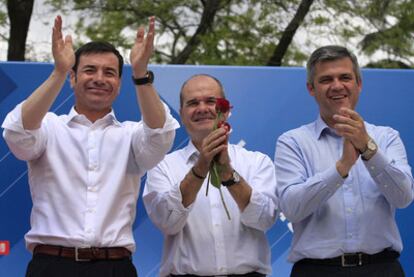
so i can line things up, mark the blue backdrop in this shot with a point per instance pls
(267, 102)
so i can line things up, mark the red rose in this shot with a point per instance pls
(222, 105)
(225, 125)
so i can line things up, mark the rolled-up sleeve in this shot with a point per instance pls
(24, 144)
(151, 145)
(163, 201)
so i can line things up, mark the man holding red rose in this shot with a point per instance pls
(199, 238)
(341, 179)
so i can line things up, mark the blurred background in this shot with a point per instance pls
(219, 32)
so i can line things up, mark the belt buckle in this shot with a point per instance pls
(77, 256)
(344, 262)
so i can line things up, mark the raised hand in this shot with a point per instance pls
(350, 125)
(142, 50)
(62, 48)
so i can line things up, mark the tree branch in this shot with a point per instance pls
(210, 9)
(289, 33)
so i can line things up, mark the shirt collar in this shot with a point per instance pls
(190, 152)
(73, 115)
(322, 128)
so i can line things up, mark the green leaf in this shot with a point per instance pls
(215, 176)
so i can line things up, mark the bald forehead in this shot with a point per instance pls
(200, 85)
(201, 82)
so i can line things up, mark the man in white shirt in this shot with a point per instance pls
(85, 167)
(199, 239)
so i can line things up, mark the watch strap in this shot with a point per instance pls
(148, 79)
(235, 178)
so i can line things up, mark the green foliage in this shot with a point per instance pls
(321, 20)
(4, 20)
(388, 63)
(381, 26)
(246, 32)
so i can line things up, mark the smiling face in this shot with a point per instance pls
(198, 106)
(335, 85)
(96, 84)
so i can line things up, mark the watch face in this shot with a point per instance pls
(371, 145)
(370, 151)
(236, 176)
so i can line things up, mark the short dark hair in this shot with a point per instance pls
(198, 75)
(95, 47)
(330, 53)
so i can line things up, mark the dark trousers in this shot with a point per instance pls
(51, 266)
(388, 269)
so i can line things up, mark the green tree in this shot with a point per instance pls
(195, 31)
(252, 32)
(375, 26)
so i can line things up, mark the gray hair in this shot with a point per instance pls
(330, 53)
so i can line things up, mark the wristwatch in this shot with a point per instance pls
(235, 178)
(148, 79)
(370, 150)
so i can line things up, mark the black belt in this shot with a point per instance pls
(355, 259)
(83, 254)
(250, 274)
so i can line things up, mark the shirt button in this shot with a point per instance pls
(372, 167)
(349, 210)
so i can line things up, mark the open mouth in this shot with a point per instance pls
(97, 90)
(338, 97)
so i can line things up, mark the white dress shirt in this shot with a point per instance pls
(84, 177)
(200, 239)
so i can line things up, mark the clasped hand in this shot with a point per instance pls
(214, 146)
(350, 125)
